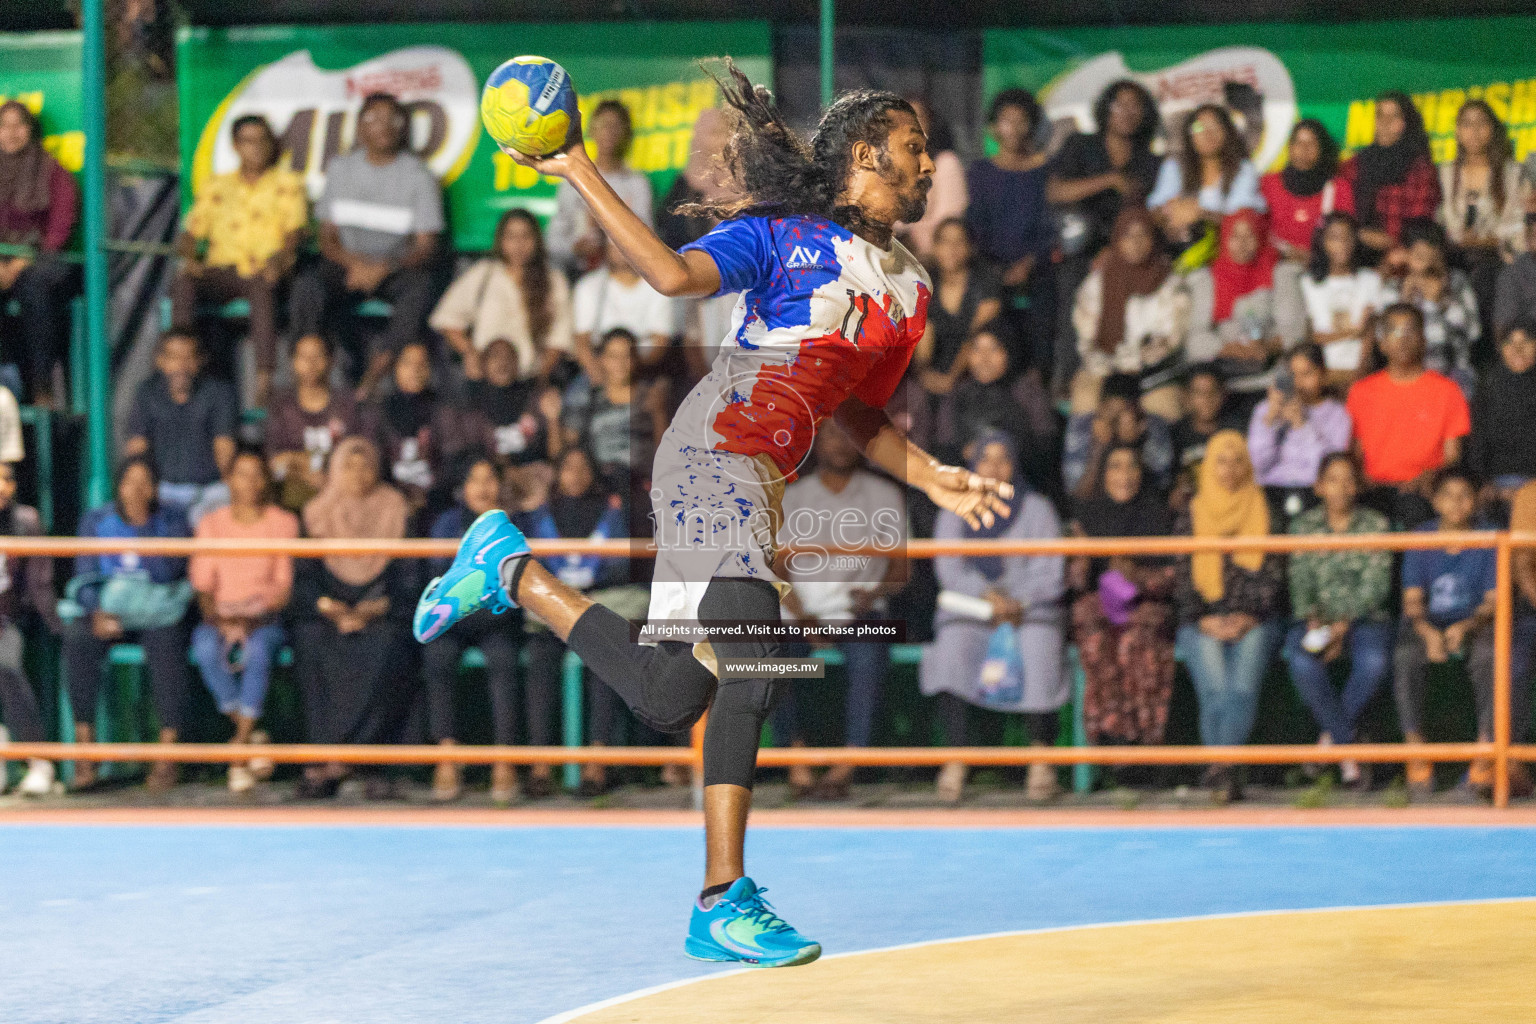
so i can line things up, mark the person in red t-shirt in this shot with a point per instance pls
(1409, 421)
(1306, 190)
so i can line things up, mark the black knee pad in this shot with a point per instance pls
(741, 705)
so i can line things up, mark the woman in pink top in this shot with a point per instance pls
(241, 597)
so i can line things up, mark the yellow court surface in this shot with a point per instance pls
(1441, 964)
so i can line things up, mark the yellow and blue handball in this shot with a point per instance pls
(528, 105)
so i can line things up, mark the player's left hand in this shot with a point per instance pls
(974, 498)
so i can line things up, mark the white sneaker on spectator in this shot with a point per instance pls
(38, 780)
(261, 767)
(951, 781)
(241, 779)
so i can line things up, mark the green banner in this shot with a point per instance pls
(310, 82)
(1272, 75)
(42, 70)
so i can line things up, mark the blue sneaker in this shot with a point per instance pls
(741, 928)
(473, 581)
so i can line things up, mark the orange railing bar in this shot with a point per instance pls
(882, 757)
(914, 548)
(1500, 749)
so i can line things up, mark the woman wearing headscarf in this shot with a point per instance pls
(39, 204)
(1394, 177)
(351, 636)
(1306, 190)
(1023, 592)
(1130, 318)
(1242, 313)
(1229, 604)
(1499, 450)
(1122, 619)
(1093, 177)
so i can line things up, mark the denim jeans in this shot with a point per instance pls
(1369, 650)
(1227, 678)
(248, 692)
(865, 664)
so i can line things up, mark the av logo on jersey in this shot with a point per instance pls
(1250, 81)
(314, 111)
(801, 258)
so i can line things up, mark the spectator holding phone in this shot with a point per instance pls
(1293, 430)
(1340, 604)
(242, 598)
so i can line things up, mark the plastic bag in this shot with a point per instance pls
(1000, 682)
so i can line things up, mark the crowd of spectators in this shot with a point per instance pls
(1145, 345)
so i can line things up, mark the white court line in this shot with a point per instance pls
(582, 1011)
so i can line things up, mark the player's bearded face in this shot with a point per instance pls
(906, 180)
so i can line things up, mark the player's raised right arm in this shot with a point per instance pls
(668, 271)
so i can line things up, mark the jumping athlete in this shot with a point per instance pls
(832, 307)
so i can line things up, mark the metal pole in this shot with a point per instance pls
(1503, 630)
(827, 52)
(93, 60)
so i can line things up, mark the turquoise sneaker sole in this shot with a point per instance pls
(699, 949)
(472, 581)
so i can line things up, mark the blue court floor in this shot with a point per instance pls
(411, 925)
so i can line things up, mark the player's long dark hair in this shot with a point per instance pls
(774, 172)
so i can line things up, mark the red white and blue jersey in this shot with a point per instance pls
(824, 314)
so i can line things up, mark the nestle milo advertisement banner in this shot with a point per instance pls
(42, 70)
(1272, 75)
(310, 82)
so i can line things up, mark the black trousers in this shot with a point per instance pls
(498, 641)
(320, 300)
(669, 689)
(955, 719)
(43, 290)
(18, 705)
(357, 687)
(165, 655)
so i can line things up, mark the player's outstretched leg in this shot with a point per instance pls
(668, 688)
(473, 581)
